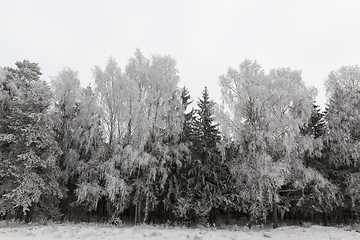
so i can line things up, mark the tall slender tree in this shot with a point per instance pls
(182, 204)
(66, 86)
(205, 169)
(88, 138)
(189, 116)
(116, 97)
(163, 123)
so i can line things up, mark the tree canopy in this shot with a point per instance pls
(137, 148)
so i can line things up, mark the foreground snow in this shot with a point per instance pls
(97, 231)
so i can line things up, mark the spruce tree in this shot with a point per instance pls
(205, 173)
(208, 131)
(189, 117)
(183, 200)
(316, 125)
(316, 128)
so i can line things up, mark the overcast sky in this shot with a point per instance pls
(205, 37)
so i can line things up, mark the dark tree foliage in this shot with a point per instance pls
(29, 173)
(316, 125)
(206, 164)
(187, 133)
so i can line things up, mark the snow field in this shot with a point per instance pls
(97, 231)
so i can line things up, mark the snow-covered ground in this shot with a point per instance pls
(98, 231)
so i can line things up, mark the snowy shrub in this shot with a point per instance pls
(307, 224)
(116, 221)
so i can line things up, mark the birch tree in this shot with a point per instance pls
(115, 94)
(158, 121)
(343, 138)
(266, 113)
(89, 142)
(142, 117)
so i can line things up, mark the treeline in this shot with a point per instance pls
(131, 148)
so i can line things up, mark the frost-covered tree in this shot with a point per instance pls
(116, 96)
(142, 118)
(205, 182)
(29, 172)
(66, 87)
(88, 139)
(76, 117)
(343, 138)
(156, 126)
(316, 125)
(183, 198)
(343, 88)
(266, 114)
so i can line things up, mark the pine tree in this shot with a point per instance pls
(29, 173)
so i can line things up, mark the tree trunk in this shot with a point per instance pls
(355, 214)
(341, 216)
(146, 206)
(227, 217)
(30, 213)
(136, 211)
(137, 198)
(275, 212)
(19, 213)
(109, 209)
(325, 219)
(147, 199)
(250, 220)
(139, 208)
(297, 217)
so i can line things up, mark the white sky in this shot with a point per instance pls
(205, 37)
